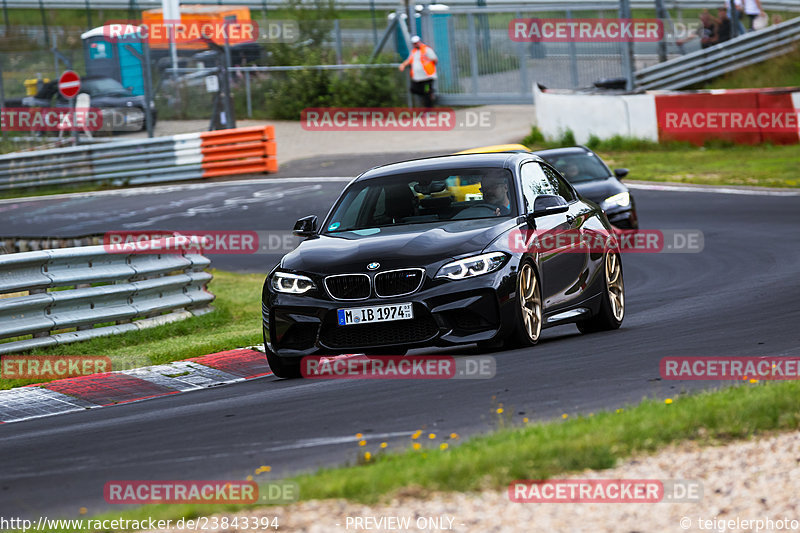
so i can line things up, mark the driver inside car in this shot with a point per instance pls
(495, 192)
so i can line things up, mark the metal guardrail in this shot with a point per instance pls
(722, 58)
(775, 5)
(86, 286)
(178, 157)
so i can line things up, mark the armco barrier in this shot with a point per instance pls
(46, 291)
(178, 157)
(714, 61)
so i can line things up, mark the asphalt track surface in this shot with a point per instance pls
(739, 297)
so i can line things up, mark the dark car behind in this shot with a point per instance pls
(592, 178)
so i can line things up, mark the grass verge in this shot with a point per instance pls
(235, 322)
(716, 163)
(539, 450)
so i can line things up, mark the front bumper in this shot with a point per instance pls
(445, 313)
(624, 217)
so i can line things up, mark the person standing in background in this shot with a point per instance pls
(752, 8)
(724, 27)
(422, 60)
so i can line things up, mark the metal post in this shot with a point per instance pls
(5, 14)
(55, 54)
(2, 94)
(88, 15)
(386, 35)
(374, 21)
(661, 14)
(412, 17)
(230, 120)
(523, 65)
(337, 32)
(247, 93)
(573, 59)
(473, 51)
(628, 64)
(44, 23)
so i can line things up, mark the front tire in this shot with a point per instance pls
(529, 307)
(612, 304)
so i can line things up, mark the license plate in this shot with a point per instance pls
(378, 313)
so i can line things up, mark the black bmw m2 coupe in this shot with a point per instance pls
(405, 259)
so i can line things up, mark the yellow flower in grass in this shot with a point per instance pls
(383, 445)
(499, 410)
(443, 446)
(453, 435)
(416, 434)
(362, 442)
(417, 445)
(367, 456)
(565, 416)
(431, 436)
(668, 401)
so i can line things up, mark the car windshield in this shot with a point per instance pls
(433, 196)
(579, 167)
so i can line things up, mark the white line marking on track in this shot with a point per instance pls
(158, 189)
(719, 190)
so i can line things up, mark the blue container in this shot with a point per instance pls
(111, 58)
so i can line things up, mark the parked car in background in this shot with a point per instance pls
(121, 110)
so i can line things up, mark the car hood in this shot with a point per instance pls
(415, 245)
(599, 190)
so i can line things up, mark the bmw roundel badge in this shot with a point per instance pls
(373, 266)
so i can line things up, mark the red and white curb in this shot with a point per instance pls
(113, 388)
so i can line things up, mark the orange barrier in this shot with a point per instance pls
(239, 151)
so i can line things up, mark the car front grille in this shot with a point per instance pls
(398, 282)
(348, 286)
(420, 328)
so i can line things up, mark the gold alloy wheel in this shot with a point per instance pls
(616, 290)
(530, 298)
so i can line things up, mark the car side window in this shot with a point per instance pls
(559, 184)
(534, 182)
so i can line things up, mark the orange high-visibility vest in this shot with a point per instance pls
(428, 65)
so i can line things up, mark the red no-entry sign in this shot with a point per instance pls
(69, 84)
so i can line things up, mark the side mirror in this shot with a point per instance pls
(620, 172)
(306, 226)
(548, 204)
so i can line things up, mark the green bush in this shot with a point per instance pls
(534, 138)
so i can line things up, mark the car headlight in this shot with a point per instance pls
(472, 266)
(622, 199)
(291, 283)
